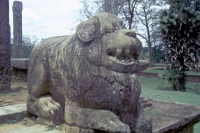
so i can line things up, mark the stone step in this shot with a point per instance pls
(12, 112)
(36, 129)
(15, 113)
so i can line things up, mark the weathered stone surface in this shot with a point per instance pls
(36, 129)
(19, 69)
(20, 63)
(12, 112)
(90, 77)
(17, 29)
(5, 48)
(169, 116)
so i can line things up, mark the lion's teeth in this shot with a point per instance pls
(122, 61)
(118, 53)
(127, 61)
(127, 52)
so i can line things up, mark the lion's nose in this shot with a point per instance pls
(128, 32)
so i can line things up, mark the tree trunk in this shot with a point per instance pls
(174, 87)
(150, 53)
(5, 48)
(182, 80)
(148, 38)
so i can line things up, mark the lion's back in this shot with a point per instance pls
(40, 62)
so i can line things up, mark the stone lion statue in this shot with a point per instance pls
(89, 80)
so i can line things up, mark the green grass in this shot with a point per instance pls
(155, 88)
(160, 64)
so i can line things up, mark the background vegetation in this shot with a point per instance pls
(28, 43)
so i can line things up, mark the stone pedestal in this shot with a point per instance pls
(168, 117)
(5, 50)
(17, 29)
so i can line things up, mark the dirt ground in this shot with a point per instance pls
(17, 95)
(29, 125)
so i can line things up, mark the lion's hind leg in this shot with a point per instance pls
(47, 108)
(40, 101)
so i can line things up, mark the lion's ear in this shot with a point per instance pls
(85, 31)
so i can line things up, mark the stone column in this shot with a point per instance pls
(5, 48)
(17, 29)
(111, 6)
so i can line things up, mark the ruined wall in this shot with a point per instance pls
(5, 48)
(17, 29)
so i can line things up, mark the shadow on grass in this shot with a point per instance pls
(188, 90)
(166, 89)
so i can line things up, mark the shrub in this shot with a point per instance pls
(172, 77)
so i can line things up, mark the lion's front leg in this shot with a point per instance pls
(137, 120)
(94, 119)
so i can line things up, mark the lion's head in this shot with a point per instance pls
(102, 57)
(104, 42)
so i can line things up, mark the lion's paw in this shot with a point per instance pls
(50, 109)
(111, 123)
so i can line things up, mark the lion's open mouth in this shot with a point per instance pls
(123, 56)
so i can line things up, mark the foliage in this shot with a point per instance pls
(172, 77)
(180, 27)
(127, 11)
(197, 88)
(90, 8)
(28, 43)
(147, 13)
(144, 54)
(140, 15)
(158, 53)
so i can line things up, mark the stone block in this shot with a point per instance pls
(20, 63)
(12, 112)
(170, 116)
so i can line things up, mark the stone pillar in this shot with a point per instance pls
(111, 6)
(17, 29)
(5, 48)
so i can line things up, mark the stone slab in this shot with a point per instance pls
(36, 129)
(167, 116)
(20, 63)
(12, 112)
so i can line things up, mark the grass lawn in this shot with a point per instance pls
(159, 71)
(156, 88)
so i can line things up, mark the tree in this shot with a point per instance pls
(127, 11)
(158, 53)
(135, 14)
(147, 15)
(180, 27)
(28, 43)
(90, 8)
(111, 6)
